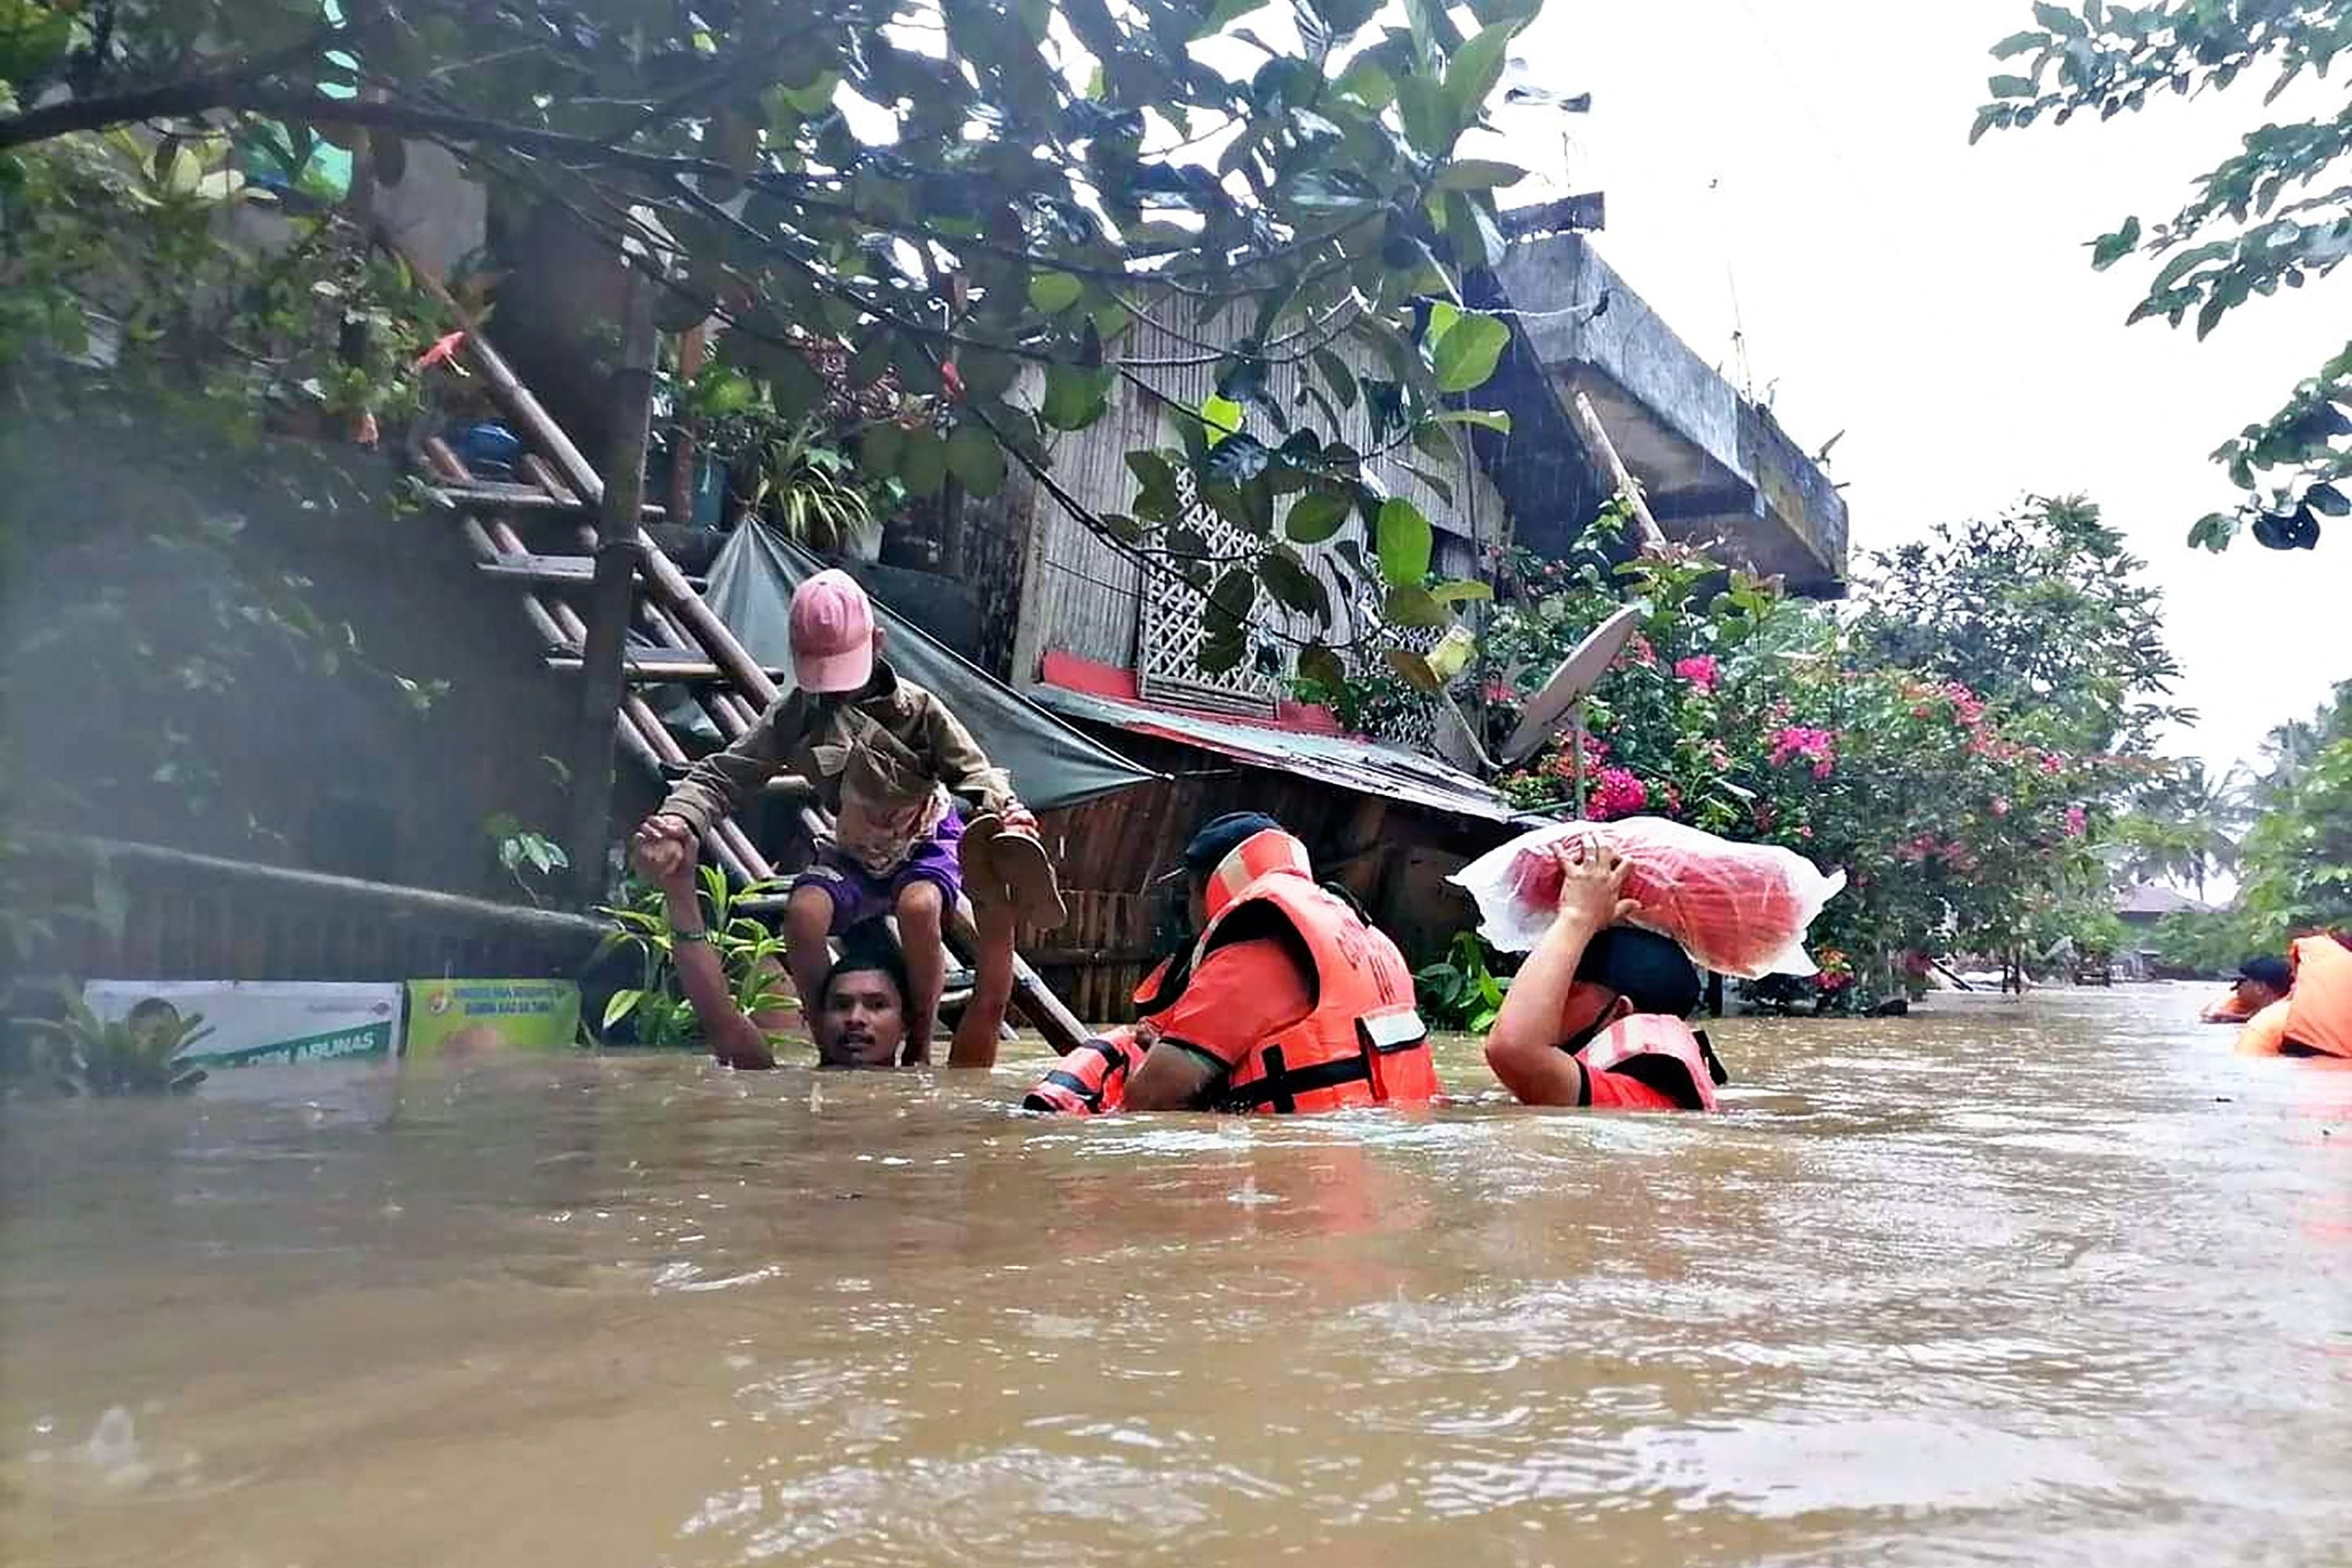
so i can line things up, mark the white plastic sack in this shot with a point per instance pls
(1740, 909)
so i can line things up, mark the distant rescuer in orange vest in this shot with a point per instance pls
(2315, 1017)
(2261, 982)
(1594, 1017)
(1287, 1001)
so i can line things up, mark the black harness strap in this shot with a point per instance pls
(1283, 1085)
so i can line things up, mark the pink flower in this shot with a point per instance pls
(1966, 705)
(1829, 982)
(1615, 793)
(2000, 806)
(1699, 669)
(2051, 763)
(1638, 649)
(2077, 822)
(1818, 747)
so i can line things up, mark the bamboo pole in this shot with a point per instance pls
(561, 626)
(1596, 437)
(662, 575)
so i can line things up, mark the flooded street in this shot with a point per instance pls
(2059, 1280)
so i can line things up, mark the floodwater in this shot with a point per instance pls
(2059, 1280)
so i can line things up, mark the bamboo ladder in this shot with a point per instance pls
(692, 647)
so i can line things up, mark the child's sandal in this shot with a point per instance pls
(1027, 871)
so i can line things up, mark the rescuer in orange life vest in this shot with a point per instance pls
(1594, 1017)
(1287, 1001)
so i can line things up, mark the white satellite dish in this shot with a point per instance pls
(1578, 674)
(1561, 700)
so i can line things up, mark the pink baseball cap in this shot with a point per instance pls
(833, 633)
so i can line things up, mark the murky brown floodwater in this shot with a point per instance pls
(2052, 1281)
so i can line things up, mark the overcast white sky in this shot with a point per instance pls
(1934, 302)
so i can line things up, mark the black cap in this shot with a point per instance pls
(1220, 836)
(1644, 968)
(2267, 970)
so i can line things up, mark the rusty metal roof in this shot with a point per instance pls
(1366, 767)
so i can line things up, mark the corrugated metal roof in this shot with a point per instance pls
(2154, 898)
(1364, 766)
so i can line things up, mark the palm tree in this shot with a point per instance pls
(2184, 826)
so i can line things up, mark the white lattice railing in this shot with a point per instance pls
(1172, 625)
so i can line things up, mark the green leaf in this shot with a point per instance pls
(1221, 651)
(1338, 377)
(1404, 540)
(2010, 86)
(1292, 585)
(1415, 606)
(1477, 175)
(1463, 593)
(2179, 266)
(2060, 20)
(1492, 420)
(1075, 397)
(1316, 515)
(1318, 664)
(622, 1003)
(923, 465)
(987, 374)
(976, 461)
(1467, 355)
(2018, 42)
(1428, 122)
(1231, 599)
(1415, 670)
(1221, 417)
(2327, 501)
(1473, 71)
(2110, 249)
(1051, 293)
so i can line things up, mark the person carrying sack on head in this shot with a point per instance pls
(1594, 1017)
(889, 760)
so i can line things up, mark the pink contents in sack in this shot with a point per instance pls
(1739, 910)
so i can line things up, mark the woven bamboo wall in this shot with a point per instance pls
(1079, 593)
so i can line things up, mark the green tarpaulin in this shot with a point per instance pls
(750, 589)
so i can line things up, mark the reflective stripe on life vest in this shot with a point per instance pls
(1089, 1081)
(1660, 1038)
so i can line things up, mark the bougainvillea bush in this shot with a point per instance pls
(1964, 821)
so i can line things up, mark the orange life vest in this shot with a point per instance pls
(1669, 1053)
(1363, 1043)
(1089, 1081)
(2265, 1033)
(2319, 1008)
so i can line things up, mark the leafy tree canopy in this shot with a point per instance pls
(2042, 611)
(978, 199)
(2278, 213)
